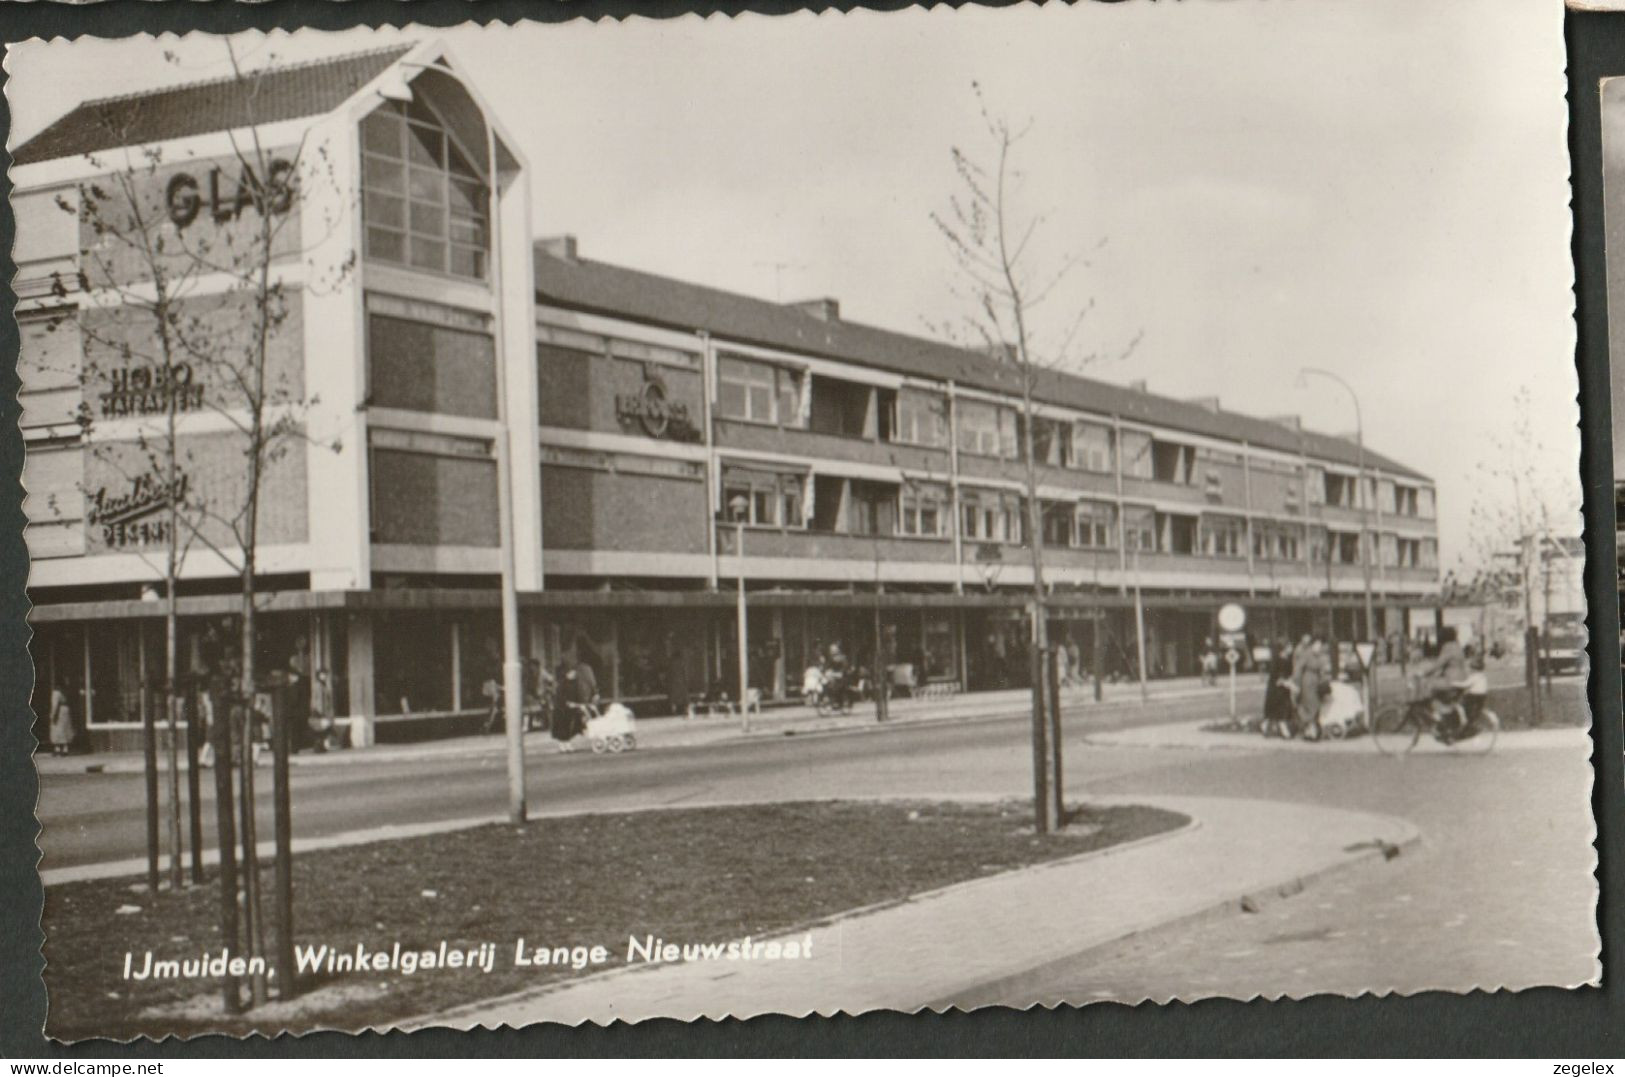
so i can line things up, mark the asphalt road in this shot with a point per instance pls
(91, 818)
(1499, 894)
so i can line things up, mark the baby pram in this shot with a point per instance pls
(613, 730)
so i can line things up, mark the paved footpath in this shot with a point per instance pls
(676, 732)
(932, 947)
(1198, 736)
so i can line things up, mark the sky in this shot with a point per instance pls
(1375, 187)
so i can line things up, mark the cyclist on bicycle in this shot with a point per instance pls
(1446, 679)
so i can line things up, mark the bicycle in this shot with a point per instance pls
(1399, 726)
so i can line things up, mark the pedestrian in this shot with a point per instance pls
(1063, 666)
(1073, 655)
(297, 698)
(1312, 681)
(676, 678)
(1210, 663)
(61, 722)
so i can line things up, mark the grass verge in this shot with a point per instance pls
(697, 874)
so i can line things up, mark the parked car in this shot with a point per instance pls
(1563, 648)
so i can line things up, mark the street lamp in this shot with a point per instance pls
(1359, 445)
(739, 505)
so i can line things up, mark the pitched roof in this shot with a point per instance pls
(600, 288)
(280, 93)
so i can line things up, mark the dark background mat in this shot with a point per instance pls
(1547, 1023)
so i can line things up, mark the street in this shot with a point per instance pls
(1499, 893)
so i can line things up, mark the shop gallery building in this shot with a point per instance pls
(642, 425)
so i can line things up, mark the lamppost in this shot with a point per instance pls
(1360, 491)
(739, 505)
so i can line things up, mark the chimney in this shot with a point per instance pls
(562, 247)
(1291, 422)
(1210, 403)
(824, 309)
(1138, 385)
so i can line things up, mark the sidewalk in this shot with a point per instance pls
(677, 732)
(936, 947)
(1192, 736)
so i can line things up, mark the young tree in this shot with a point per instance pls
(1512, 520)
(991, 240)
(194, 273)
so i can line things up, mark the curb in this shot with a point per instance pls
(442, 1018)
(1246, 901)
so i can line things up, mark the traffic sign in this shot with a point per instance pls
(1232, 618)
(1365, 652)
(1232, 656)
(1233, 639)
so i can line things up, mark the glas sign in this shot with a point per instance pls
(186, 195)
(425, 200)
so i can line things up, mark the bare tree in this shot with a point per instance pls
(1512, 521)
(1004, 289)
(192, 311)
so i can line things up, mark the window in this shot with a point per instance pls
(925, 511)
(1052, 442)
(990, 517)
(1277, 542)
(1424, 503)
(1429, 553)
(425, 203)
(1140, 528)
(1173, 463)
(837, 407)
(1092, 447)
(1388, 551)
(1136, 458)
(1097, 525)
(762, 498)
(986, 429)
(1057, 519)
(922, 419)
(1407, 501)
(873, 509)
(1317, 545)
(1346, 548)
(1340, 490)
(758, 392)
(1179, 533)
(1224, 536)
(1317, 486)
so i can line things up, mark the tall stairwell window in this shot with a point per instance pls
(425, 201)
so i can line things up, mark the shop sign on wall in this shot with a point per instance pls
(129, 516)
(147, 390)
(184, 196)
(655, 412)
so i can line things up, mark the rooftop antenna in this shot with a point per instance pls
(778, 276)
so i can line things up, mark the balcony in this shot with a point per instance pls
(791, 441)
(832, 546)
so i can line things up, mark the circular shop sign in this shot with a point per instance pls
(1232, 618)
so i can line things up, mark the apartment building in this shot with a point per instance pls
(658, 441)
